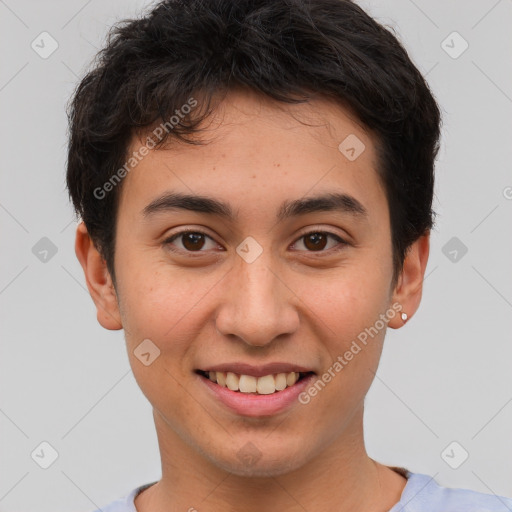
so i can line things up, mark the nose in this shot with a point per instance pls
(257, 305)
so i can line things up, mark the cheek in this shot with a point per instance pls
(354, 340)
(162, 303)
(350, 310)
(349, 301)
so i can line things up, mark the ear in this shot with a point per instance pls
(98, 279)
(409, 287)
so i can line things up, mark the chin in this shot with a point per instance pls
(249, 461)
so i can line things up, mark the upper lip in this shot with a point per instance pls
(257, 371)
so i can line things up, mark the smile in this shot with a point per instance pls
(260, 395)
(264, 385)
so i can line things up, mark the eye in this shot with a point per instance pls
(197, 241)
(316, 241)
(191, 241)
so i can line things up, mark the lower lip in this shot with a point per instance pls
(258, 405)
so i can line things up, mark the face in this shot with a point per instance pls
(268, 283)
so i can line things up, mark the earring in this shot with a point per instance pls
(404, 317)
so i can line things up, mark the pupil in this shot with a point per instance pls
(318, 241)
(191, 241)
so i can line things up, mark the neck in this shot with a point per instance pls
(340, 477)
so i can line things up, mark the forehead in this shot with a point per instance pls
(258, 149)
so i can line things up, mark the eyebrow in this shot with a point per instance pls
(173, 201)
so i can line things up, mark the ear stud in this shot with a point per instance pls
(404, 317)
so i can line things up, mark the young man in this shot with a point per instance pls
(255, 180)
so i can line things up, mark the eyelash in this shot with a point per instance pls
(168, 241)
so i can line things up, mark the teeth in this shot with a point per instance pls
(265, 385)
(232, 381)
(247, 384)
(280, 381)
(291, 378)
(221, 378)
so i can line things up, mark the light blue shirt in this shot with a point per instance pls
(420, 494)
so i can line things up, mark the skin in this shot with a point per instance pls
(291, 304)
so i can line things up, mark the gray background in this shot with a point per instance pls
(65, 380)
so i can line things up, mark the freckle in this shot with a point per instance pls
(278, 165)
(214, 168)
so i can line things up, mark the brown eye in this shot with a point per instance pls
(317, 241)
(191, 241)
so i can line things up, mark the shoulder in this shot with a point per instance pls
(126, 503)
(423, 494)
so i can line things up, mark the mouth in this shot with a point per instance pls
(269, 384)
